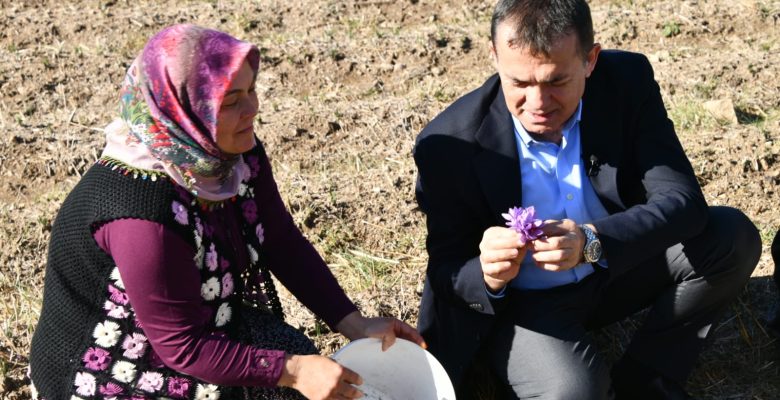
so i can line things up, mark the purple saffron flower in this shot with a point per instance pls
(524, 222)
(96, 359)
(250, 210)
(178, 387)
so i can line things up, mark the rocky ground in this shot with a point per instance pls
(345, 87)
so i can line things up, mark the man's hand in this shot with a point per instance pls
(500, 255)
(561, 247)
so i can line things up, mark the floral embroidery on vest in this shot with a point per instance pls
(120, 363)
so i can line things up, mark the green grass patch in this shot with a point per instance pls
(359, 270)
(670, 29)
(690, 114)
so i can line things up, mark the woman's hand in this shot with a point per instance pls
(355, 326)
(320, 378)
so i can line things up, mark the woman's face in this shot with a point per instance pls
(235, 121)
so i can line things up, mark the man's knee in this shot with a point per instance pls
(734, 240)
(571, 377)
(579, 384)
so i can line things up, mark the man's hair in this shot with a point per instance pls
(540, 23)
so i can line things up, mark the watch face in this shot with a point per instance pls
(593, 251)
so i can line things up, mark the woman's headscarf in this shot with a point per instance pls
(169, 104)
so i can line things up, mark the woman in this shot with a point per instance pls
(157, 281)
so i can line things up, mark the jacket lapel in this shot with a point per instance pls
(601, 141)
(497, 166)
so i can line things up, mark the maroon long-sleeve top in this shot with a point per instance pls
(163, 284)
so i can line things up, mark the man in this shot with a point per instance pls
(582, 135)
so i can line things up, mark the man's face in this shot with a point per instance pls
(542, 91)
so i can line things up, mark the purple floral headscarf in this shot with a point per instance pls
(169, 104)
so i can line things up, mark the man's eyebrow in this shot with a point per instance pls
(553, 79)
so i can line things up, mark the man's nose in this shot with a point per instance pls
(535, 98)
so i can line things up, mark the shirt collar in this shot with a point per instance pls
(526, 139)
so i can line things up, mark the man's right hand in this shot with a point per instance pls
(320, 378)
(500, 255)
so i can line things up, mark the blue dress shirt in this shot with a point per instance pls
(555, 182)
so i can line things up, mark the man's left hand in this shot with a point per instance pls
(355, 326)
(560, 248)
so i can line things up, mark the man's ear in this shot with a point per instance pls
(593, 57)
(493, 54)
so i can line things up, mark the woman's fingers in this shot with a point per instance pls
(348, 391)
(351, 377)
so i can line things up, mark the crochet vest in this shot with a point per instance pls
(88, 343)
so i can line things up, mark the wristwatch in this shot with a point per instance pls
(591, 252)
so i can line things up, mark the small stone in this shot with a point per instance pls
(722, 110)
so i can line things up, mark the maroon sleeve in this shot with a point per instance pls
(163, 285)
(292, 259)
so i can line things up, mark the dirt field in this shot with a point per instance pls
(345, 88)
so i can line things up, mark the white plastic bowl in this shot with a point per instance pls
(404, 372)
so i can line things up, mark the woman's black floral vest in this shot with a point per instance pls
(116, 360)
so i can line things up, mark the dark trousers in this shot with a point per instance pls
(541, 348)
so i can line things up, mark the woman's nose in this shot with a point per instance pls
(249, 108)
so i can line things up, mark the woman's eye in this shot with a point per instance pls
(230, 103)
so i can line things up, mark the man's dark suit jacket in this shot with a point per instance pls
(468, 174)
